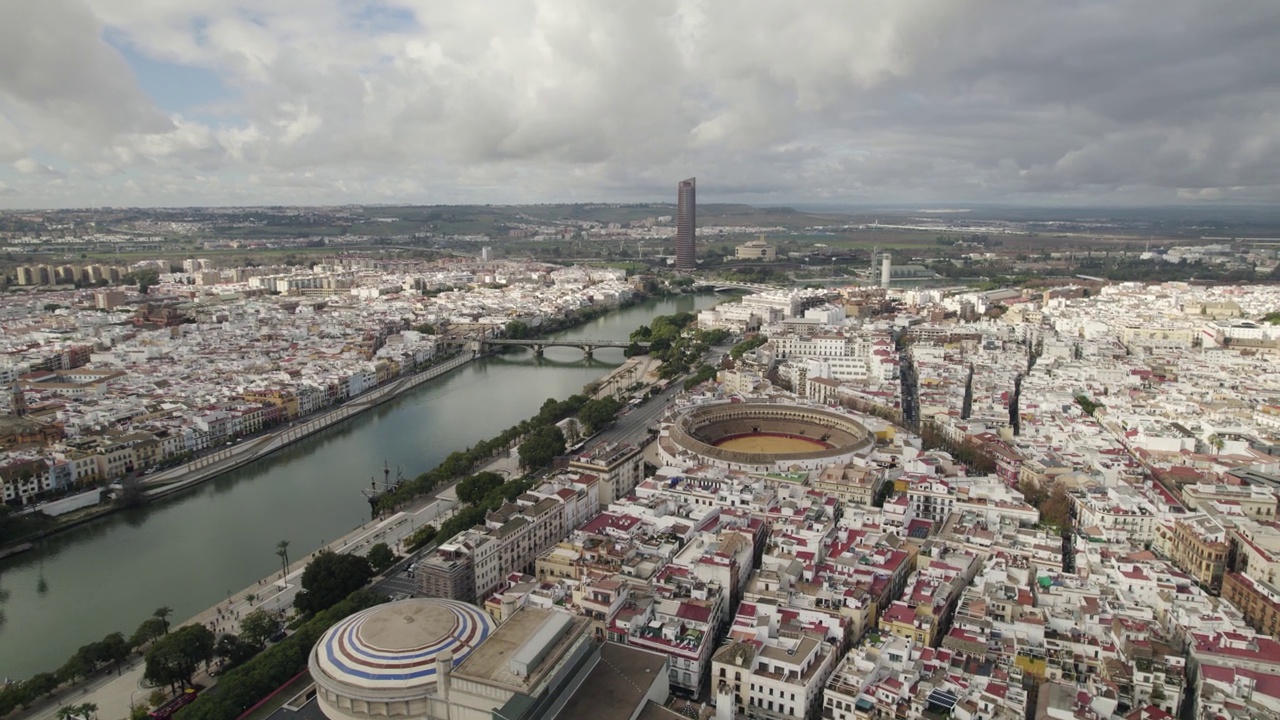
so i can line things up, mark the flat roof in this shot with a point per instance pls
(617, 685)
(491, 662)
(310, 711)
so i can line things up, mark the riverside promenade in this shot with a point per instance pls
(117, 696)
(237, 455)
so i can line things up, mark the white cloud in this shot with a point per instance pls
(526, 100)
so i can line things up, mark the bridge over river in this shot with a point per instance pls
(588, 347)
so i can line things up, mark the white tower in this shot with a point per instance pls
(726, 704)
(886, 270)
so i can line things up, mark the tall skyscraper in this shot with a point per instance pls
(686, 224)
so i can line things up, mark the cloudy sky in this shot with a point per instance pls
(183, 102)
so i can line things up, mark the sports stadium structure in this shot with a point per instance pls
(762, 436)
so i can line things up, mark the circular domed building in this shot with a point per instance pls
(762, 436)
(384, 661)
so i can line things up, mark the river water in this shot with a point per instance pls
(192, 550)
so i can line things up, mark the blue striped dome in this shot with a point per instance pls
(395, 646)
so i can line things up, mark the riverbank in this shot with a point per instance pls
(238, 455)
(116, 695)
(308, 494)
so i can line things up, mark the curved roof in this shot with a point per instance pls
(394, 646)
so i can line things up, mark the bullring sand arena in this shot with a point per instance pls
(769, 443)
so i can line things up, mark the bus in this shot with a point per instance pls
(167, 710)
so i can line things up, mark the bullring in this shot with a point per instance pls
(763, 436)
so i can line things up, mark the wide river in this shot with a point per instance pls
(192, 550)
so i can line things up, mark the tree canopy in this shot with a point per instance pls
(746, 346)
(421, 537)
(148, 630)
(238, 689)
(329, 578)
(257, 626)
(174, 658)
(597, 414)
(233, 650)
(472, 489)
(541, 447)
(518, 330)
(381, 557)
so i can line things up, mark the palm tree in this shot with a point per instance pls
(87, 710)
(162, 613)
(282, 549)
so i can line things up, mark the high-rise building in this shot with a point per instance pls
(886, 270)
(686, 224)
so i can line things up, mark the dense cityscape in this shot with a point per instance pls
(893, 492)
(512, 360)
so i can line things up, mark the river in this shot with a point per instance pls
(190, 551)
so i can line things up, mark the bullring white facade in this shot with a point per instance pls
(690, 436)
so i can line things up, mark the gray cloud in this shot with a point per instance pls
(531, 100)
(62, 89)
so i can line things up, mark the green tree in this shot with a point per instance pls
(541, 447)
(41, 684)
(146, 278)
(329, 578)
(282, 550)
(421, 537)
(381, 557)
(751, 343)
(113, 649)
(597, 414)
(84, 711)
(79, 665)
(150, 629)
(257, 626)
(517, 330)
(1087, 405)
(239, 689)
(233, 651)
(163, 612)
(174, 658)
(471, 490)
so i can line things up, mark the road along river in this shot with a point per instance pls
(190, 551)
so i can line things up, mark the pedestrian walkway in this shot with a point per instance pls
(116, 696)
